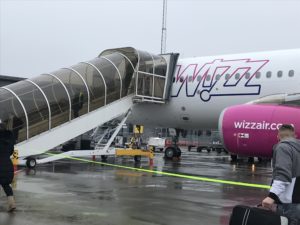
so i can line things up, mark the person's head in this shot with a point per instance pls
(286, 131)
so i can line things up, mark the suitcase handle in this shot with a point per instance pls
(274, 208)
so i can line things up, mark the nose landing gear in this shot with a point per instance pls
(172, 152)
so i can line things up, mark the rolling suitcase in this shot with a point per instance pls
(244, 215)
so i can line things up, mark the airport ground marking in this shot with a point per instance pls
(190, 177)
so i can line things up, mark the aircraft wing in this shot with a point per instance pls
(279, 99)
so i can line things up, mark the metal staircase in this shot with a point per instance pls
(48, 110)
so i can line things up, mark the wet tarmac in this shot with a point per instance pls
(74, 192)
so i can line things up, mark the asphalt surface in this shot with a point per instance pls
(75, 192)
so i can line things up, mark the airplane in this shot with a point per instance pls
(246, 96)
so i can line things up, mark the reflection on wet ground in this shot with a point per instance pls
(73, 192)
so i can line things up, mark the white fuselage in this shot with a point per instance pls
(204, 86)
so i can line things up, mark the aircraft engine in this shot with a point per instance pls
(251, 130)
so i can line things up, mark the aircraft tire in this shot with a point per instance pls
(170, 152)
(31, 162)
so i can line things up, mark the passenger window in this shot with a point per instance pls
(247, 76)
(279, 73)
(190, 78)
(291, 73)
(199, 78)
(237, 76)
(227, 76)
(218, 77)
(257, 75)
(269, 74)
(208, 78)
(181, 79)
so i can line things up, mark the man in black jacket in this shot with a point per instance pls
(285, 190)
(6, 167)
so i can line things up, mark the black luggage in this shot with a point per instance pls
(244, 215)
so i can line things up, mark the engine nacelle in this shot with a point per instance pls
(251, 130)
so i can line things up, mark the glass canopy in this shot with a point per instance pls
(33, 106)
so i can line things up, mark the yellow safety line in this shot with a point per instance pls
(262, 186)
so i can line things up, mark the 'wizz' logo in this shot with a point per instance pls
(218, 78)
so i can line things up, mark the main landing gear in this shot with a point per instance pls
(173, 152)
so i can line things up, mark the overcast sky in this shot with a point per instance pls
(42, 36)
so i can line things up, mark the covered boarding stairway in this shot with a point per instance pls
(50, 109)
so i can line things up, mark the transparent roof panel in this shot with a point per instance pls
(34, 106)
(76, 89)
(13, 115)
(57, 97)
(146, 62)
(95, 83)
(111, 77)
